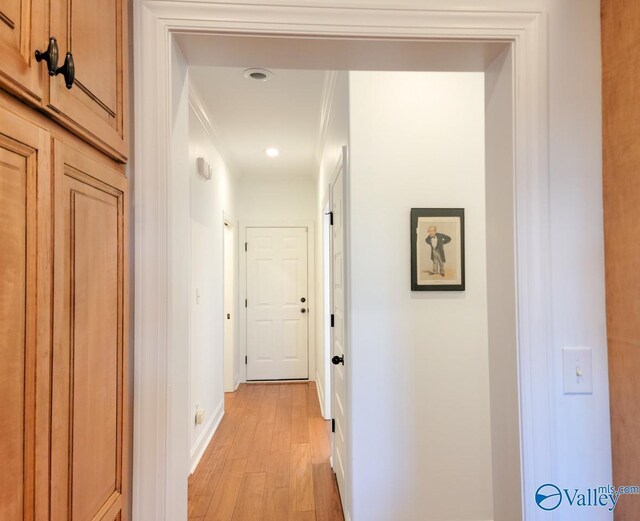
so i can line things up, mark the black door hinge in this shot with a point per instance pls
(330, 214)
(245, 360)
(333, 320)
(245, 303)
(333, 425)
(246, 246)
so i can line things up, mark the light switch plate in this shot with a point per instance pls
(577, 371)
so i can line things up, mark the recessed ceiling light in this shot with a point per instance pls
(258, 74)
(272, 152)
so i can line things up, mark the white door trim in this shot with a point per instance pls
(159, 494)
(311, 278)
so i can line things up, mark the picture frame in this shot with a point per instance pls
(437, 249)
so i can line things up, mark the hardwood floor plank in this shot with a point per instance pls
(260, 448)
(299, 395)
(278, 469)
(302, 516)
(325, 490)
(198, 506)
(249, 502)
(275, 505)
(283, 410)
(254, 400)
(242, 442)
(209, 475)
(299, 425)
(301, 480)
(269, 404)
(320, 445)
(280, 441)
(223, 502)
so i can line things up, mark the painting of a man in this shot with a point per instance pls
(437, 241)
(437, 249)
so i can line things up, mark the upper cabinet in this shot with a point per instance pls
(69, 59)
(93, 35)
(23, 29)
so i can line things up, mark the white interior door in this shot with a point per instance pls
(338, 337)
(277, 304)
(230, 362)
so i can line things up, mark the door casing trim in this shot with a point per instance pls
(159, 491)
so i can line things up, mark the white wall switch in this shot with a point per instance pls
(578, 376)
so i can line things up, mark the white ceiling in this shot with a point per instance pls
(248, 116)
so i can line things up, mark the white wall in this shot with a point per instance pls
(419, 361)
(209, 201)
(582, 431)
(278, 199)
(336, 137)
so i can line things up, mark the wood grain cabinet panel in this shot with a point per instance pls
(22, 31)
(24, 294)
(95, 32)
(89, 392)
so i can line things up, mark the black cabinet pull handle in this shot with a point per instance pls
(68, 70)
(337, 360)
(50, 56)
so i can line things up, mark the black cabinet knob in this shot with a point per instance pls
(337, 360)
(68, 70)
(50, 56)
(303, 310)
(303, 300)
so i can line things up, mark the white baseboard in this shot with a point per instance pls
(320, 394)
(205, 436)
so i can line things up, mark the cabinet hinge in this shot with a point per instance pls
(333, 425)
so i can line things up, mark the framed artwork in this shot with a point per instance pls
(437, 249)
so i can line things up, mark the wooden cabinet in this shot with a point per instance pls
(25, 272)
(96, 34)
(23, 30)
(89, 389)
(64, 361)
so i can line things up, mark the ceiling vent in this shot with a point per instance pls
(258, 74)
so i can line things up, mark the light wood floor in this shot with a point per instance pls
(268, 460)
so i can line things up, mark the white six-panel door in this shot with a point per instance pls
(338, 337)
(277, 304)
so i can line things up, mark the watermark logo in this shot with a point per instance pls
(549, 496)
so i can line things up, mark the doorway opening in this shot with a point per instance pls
(463, 56)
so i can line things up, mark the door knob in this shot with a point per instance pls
(50, 56)
(68, 70)
(303, 300)
(303, 310)
(337, 360)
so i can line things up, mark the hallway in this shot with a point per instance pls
(268, 460)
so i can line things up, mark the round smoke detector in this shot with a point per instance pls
(258, 74)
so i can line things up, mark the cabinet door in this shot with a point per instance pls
(95, 32)
(22, 31)
(24, 318)
(89, 394)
